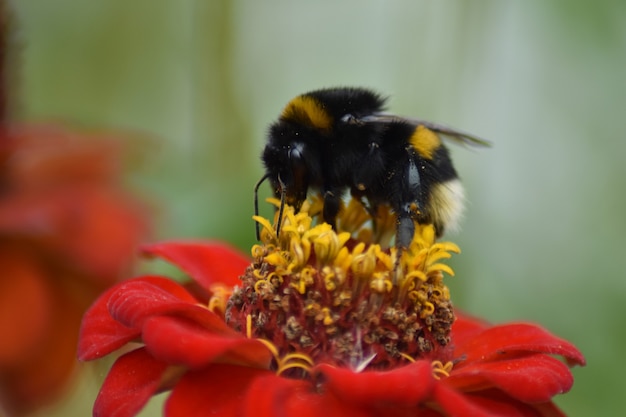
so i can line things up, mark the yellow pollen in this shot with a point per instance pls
(381, 283)
(344, 297)
(330, 278)
(328, 319)
(303, 279)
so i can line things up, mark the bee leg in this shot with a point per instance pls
(406, 189)
(256, 204)
(332, 203)
(408, 204)
(405, 229)
(283, 192)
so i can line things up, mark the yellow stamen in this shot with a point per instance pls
(291, 365)
(343, 259)
(257, 251)
(440, 370)
(289, 361)
(416, 274)
(267, 227)
(381, 283)
(441, 267)
(427, 309)
(277, 259)
(363, 264)
(260, 286)
(249, 326)
(299, 254)
(434, 256)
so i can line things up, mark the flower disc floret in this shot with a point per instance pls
(342, 301)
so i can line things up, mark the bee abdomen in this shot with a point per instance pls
(445, 205)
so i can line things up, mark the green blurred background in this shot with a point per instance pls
(544, 237)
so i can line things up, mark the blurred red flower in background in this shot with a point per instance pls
(194, 343)
(67, 232)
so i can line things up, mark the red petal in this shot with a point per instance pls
(101, 334)
(531, 379)
(496, 401)
(105, 216)
(517, 337)
(405, 386)
(137, 300)
(67, 216)
(459, 404)
(466, 327)
(456, 404)
(218, 390)
(132, 380)
(549, 410)
(207, 263)
(271, 396)
(182, 342)
(26, 303)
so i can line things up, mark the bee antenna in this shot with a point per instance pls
(256, 203)
(283, 192)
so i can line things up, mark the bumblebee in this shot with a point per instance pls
(339, 139)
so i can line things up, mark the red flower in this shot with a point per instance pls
(67, 232)
(211, 369)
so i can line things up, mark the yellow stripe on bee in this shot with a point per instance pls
(307, 111)
(425, 142)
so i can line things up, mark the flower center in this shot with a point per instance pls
(340, 297)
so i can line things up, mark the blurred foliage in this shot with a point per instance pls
(544, 234)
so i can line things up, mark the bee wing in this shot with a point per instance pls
(456, 135)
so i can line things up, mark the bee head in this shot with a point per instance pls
(309, 123)
(292, 160)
